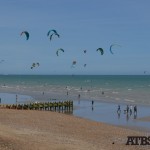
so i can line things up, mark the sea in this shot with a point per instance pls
(107, 92)
(111, 88)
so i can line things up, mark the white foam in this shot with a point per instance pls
(129, 100)
(129, 89)
(115, 92)
(117, 98)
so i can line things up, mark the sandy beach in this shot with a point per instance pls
(46, 130)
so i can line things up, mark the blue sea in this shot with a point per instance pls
(113, 88)
(107, 91)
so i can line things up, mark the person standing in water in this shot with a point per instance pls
(135, 110)
(127, 109)
(92, 105)
(79, 96)
(119, 109)
(92, 102)
(130, 109)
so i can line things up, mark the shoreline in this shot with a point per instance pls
(107, 115)
(38, 96)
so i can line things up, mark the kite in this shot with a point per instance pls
(84, 65)
(53, 35)
(54, 32)
(73, 64)
(101, 50)
(60, 49)
(38, 64)
(34, 65)
(113, 46)
(84, 51)
(26, 33)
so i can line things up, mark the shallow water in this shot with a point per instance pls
(100, 111)
(124, 89)
(7, 98)
(107, 113)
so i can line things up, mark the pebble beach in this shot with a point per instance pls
(45, 130)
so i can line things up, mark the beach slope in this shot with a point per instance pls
(45, 130)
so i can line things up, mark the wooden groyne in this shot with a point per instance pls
(49, 106)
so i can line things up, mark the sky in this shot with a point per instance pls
(82, 25)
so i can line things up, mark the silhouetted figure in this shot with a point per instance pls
(127, 109)
(135, 110)
(92, 102)
(130, 109)
(79, 96)
(119, 109)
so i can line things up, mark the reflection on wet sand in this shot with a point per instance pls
(106, 112)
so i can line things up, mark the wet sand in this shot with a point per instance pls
(107, 113)
(145, 119)
(100, 111)
(44, 130)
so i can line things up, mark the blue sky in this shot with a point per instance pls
(82, 25)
